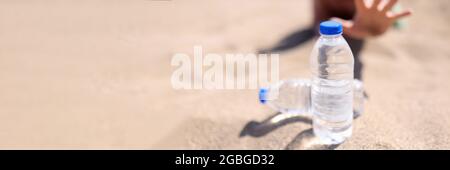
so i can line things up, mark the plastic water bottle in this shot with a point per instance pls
(288, 96)
(294, 97)
(332, 67)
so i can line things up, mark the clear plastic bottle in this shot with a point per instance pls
(293, 96)
(288, 96)
(332, 67)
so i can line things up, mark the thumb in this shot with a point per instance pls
(349, 28)
(347, 24)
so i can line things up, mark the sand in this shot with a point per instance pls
(96, 75)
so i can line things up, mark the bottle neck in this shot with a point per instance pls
(331, 36)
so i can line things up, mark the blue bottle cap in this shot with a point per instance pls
(263, 95)
(330, 28)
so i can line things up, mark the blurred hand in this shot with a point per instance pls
(371, 21)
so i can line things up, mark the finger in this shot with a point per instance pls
(389, 5)
(345, 23)
(401, 14)
(349, 29)
(360, 5)
(375, 4)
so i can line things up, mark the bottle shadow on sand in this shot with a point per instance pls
(259, 129)
(305, 140)
(291, 41)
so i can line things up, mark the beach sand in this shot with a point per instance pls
(96, 75)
